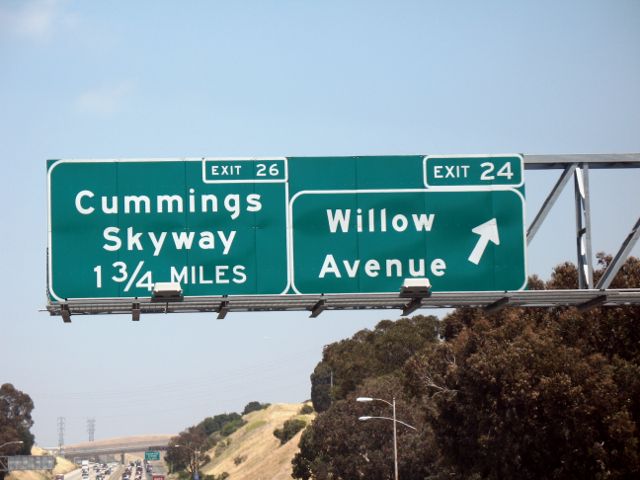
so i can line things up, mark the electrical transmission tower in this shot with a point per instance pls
(91, 428)
(61, 421)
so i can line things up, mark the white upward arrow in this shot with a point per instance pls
(488, 232)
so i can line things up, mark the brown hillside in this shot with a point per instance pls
(265, 459)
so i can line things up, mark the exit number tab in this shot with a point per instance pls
(244, 170)
(473, 171)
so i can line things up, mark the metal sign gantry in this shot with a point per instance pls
(588, 295)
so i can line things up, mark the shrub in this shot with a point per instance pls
(289, 430)
(217, 423)
(306, 409)
(254, 407)
(239, 459)
(231, 427)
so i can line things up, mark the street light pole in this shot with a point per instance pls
(395, 440)
(395, 421)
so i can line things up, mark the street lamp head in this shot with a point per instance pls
(167, 292)
(364, 399)
(364, 418)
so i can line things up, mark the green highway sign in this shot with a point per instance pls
(118, 227)
(150, 456)
(281, 226)
(30, 462)
(349, 242)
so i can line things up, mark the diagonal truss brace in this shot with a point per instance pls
(550, 201)
(580, 174)
(621, 256)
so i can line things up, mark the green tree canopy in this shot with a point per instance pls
(15, 421)
(535, 393)
(216, 423)
(254, 407)
(186, 450)
(369, 353)
(339, 446)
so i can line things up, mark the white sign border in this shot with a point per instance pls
(407, 190)
(478, 187)
(57, 162)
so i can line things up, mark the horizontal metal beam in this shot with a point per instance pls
(526, 298)
(593, 160)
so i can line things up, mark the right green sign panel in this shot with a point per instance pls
(373, 221)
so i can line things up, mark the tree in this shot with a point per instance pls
(533, 393)
(339, 446)
(536, 393)
(15, 421)
(214, 424)
(289, 429)
(321, 387)
(185, 451)
(369, 353)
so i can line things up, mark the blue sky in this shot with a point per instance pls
(260, 78)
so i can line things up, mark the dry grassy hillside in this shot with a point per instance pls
(62, 466)
(263, 456)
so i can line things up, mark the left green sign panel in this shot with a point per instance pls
(216, 226)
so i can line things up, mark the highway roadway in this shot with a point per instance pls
(159, 468)
(77, 474)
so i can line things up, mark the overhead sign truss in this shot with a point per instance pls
(14, 463)
(313, 234)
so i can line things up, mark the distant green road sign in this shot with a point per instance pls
(278, 226)
(30, 462)
(151, 456)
